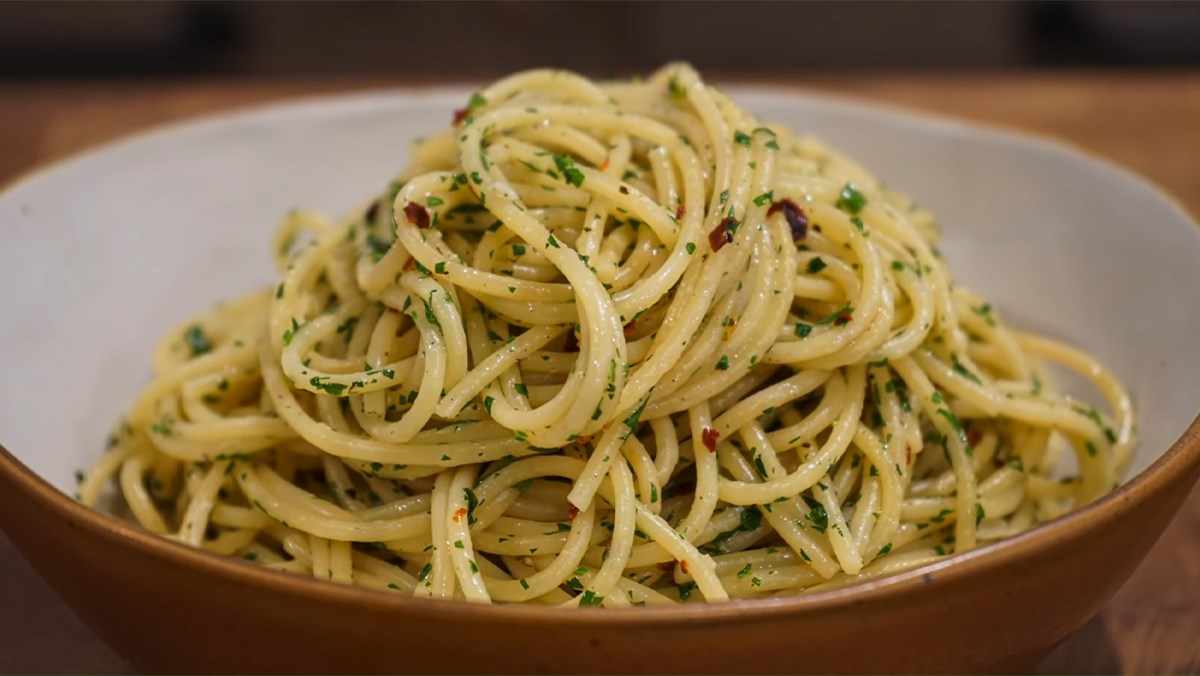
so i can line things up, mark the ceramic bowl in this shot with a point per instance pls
(103, 253)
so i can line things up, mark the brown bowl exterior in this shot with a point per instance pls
(168, 608)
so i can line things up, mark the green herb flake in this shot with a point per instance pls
(472, 503)
(963, 371)
(851, 200)
(751, 519)
(685, 590)
(570, 173)
(335, 389)
(816, 515)
(197, 340)
(676, 90)
(840, 316)
(760, 466)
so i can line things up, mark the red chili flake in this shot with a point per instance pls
(680, 211)
(603, 165)
(459, 514)
(409, 264)
(908, 454)
(710, 436)
(974, 437)
(844, 318)
(796, 219)
(460, 115)
(667, 566)
(683, 566)
(624, 190)
(630, 327)
(416, 214)
(720, 236)
(572, 511)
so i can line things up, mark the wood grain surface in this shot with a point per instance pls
(1147, 122)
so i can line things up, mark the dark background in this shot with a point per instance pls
(427, 40)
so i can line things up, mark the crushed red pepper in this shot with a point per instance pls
(721, 235)
(460, 114)
(683, 566)
(416, 214)
(572, 511)
(680, 211)
(710, 436)
(459, 514)
(844, 318)
(796, 219)
(667, 566)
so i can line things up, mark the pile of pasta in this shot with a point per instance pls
(610, 344)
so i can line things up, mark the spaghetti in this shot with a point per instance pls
(610, 344)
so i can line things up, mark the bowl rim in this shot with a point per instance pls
(1182, 456)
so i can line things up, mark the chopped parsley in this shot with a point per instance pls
(570, 173)
(851, 200)
(197, 340)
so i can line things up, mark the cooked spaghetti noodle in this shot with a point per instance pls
(610, 344)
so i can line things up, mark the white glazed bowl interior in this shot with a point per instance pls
(102, 254)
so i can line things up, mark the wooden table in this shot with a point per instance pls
(1149, 122)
